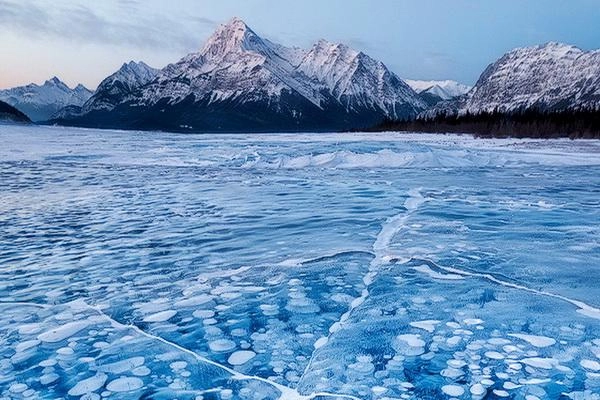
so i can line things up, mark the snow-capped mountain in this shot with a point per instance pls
(118, 86)
(553, 76)
(240, 81)
(445, 90)
(357, 81)
(39, 102)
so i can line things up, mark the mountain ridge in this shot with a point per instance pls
(239, 81)
(548, 77)
(40, 102)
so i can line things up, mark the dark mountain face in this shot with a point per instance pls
(10, 114)
(242, 82)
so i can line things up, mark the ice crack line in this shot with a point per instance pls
(287, 393)
(389, 229)
(582, 308)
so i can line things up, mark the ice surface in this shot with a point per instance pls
(297, 266)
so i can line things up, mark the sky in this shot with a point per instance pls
(83, 42)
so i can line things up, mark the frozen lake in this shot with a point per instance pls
(329, 266)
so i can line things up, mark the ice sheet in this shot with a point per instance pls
(313, 266)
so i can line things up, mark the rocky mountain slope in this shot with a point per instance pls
(550, 77)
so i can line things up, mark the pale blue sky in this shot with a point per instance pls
(80, 41)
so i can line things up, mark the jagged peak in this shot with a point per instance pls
(81, 87)
(135, 66)
(54, 81)
(232, 37)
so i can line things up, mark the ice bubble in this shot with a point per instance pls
(65, 351)
(141, 371)
(498, 341)
(378, 390)
(453, 390)
(452, 373)
(88, 385)
(241, 357)
(538, 362)
(178, 365)
(473, 321)
(456, 363)
(536, 341)
(501, 393)
(510, 386)
(49, 378)
(63, 332)
(590, 365)
(48, 363)
(203, 314)
(221, 345)
(26, 345)
(17, 388)
(119, 367)
(427, 325)
(161, 316)
(535, 381)
(125, 384)
(322, 341)
(411, 344)
(494, 355)
(478, 390)
(194, 301)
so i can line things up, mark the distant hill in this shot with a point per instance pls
(10, 114)
(40, 102)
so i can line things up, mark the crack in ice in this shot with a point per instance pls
(287, 393)
(389, 229)
(583, 308)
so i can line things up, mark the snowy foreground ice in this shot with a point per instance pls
(338, 266)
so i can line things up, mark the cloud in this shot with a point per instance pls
(112, 25)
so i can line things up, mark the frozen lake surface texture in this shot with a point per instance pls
(333, 266)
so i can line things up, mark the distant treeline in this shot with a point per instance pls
(523, 124)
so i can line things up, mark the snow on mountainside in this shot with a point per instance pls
(445, 90)
(553, 76)
(357, 80)
(115, 88)
(235, 63)
(240, 81)
(39, 102)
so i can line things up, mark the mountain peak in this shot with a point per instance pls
(234, 36)
(54, 81)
